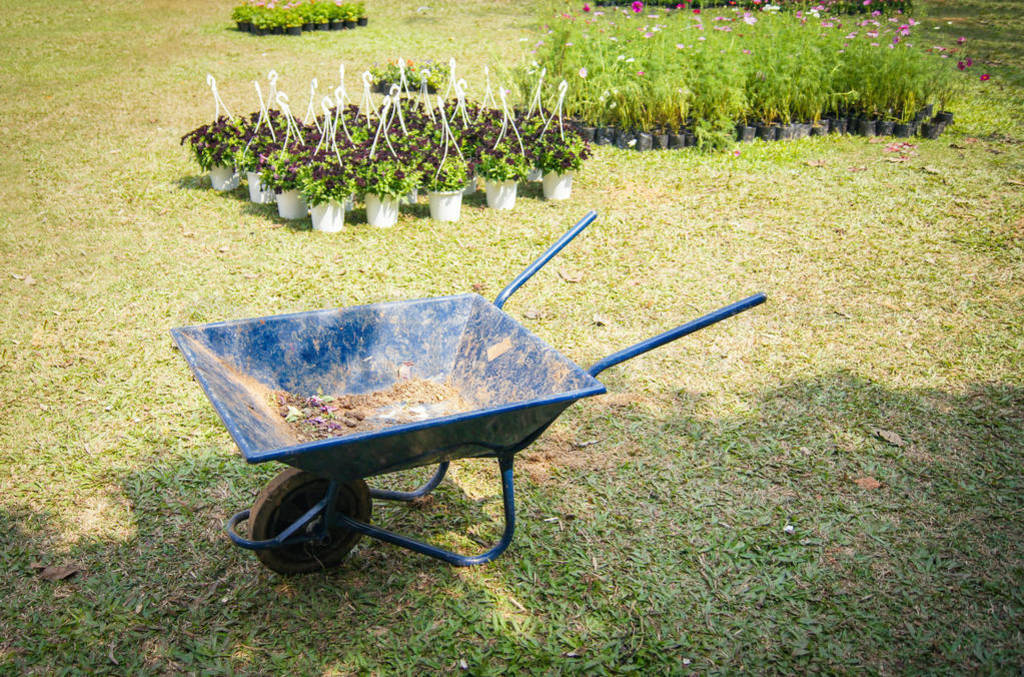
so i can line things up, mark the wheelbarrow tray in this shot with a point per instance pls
(515, 383)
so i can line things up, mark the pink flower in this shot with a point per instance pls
(586, 7)
(637, 6)
(641, 73)
(961, 40)
(736, 153)
(985, 76)
(969, 62)
(583, 72)
(696, 11)
(961, 65)
(749, 18)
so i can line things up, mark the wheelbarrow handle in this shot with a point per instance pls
(678, 332)
(522, 277)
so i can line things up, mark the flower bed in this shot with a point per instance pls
(269, 17)
(404, 147)
(708, 75)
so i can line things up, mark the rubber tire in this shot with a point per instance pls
(286, 498)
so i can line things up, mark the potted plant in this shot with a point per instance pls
(385, 178)
(280, 169)
(361, 18)
(213, 147)
(325, 184)
(445, 187)
(336, 14)
(242, 16)
(258, 139)
(558, 156)
(502, 166)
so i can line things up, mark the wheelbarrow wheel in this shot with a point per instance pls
(285, 499)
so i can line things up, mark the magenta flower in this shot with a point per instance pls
(641, 73)
(961, 40)
(637, 6)
(984, 77)
(961, 65)
(969, 62)
(586, 7)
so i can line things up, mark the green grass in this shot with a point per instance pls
(652, 534)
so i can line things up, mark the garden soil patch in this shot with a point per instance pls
(325, 416)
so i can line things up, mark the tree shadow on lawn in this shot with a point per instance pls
(663, 538)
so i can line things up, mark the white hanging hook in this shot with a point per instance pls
(264, 114)
(451, 77)
(425, 94)
(380, 127)
(396, 96)
(366, 103)
(339, 97)
(272, 77)
(282, 102)
(563, 87)
(535, 101)
(488, 98)
(216, 99)
(310, 110)
(344, 93)
(460, 99)
(509, 120)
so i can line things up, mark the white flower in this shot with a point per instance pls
(789, 528)
(583, 72)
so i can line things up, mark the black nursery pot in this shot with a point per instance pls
(660, 141)
(293, 30)
(348, 25)
(676, 141)
(901, 130)
(362, 21)
(931, 130)
(588, 133)
(745, 133)
(244, 26)
(866, 127)
(337, 25)
(690, 140)
(944, 116)
(885, 127)
(308, 27)
(623, 138)
(841, 125)
(325, 26)
(767, 132)
(644, 141)
(604, 135)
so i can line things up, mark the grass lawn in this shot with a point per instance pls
(832, 482)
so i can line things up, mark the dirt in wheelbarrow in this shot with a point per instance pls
(324, 416)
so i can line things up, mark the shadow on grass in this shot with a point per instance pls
(658, 530)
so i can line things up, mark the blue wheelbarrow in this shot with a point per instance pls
(312, 514)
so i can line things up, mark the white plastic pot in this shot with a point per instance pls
(501, 194)
(224, 178)
(258, 193)
(328, 217)
(381, 212)
(445, 206)
(557, 186)
(291, 206)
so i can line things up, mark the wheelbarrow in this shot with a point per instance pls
(313, 513)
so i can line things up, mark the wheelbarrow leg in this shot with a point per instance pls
(508, 499)
(386, 495)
